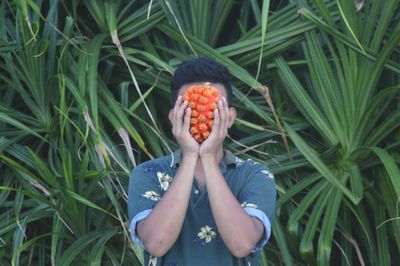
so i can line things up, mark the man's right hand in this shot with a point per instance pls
(180, 128)
(161, 228)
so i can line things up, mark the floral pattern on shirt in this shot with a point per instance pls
(252, 162)
(164, 180)
(151, 195)
(268, 174)
(239, 161)
(152, 261)
(248, 204)
(206, 234)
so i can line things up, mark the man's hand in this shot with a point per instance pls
(161, 228)
(180, 128)
(219, 130)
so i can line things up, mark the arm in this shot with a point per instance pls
(240, 231)
(161, 228)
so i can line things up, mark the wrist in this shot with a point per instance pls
(190, 155)
(208, 157)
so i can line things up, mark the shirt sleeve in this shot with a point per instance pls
(258, 197)
(143, 194)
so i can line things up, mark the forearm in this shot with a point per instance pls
(239, 231)
(161, 228)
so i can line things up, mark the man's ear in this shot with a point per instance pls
(232, 116)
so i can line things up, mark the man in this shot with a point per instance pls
(201, 205)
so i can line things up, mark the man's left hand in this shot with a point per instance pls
(219, 130)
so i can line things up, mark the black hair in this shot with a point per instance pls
(202, 69)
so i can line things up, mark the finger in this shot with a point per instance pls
(179, 117)
(221, 110)
(216, 122)
(178, 103)
(186, 120)
(176, 108)
(226, 107)
(222, 115)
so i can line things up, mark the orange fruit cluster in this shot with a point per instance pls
(202, 100)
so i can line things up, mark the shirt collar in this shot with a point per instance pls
(228, 159)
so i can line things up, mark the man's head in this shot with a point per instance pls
(200, 70)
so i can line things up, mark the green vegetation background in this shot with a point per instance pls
(84, 96)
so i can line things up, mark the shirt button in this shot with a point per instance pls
(196, 191)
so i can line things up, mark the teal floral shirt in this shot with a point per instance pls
(199, 242)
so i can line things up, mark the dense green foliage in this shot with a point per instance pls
(84, 93)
